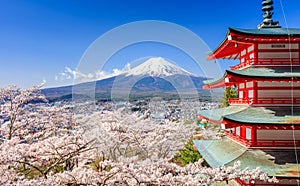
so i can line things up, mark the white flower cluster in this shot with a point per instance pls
(45, 145)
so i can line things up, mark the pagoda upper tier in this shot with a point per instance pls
(263, 47)
(269, 68)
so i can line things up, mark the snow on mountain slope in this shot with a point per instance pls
(157, 67)
(155, 75)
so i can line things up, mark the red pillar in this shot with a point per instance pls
(253, 135)
(243, 132)
(254, 92)
(255, 53)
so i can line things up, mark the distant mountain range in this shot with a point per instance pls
(156, 76)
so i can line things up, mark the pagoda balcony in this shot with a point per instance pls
(243, 65)
(264, 144)
(267, 62)
(240, 101)
(288, 144)
(277, 62)
(264, 101)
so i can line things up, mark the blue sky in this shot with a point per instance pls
(41, 40)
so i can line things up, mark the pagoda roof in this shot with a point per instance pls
(253, 115)
(279, 163)
(267, 31)
(238, 39)
(266, 74)
(217, 115)
(217, 158)
(261, 115)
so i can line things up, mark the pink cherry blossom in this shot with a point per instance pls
(44, 144)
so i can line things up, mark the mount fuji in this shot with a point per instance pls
(154, 77)
(157, 67)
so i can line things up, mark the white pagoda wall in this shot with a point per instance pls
(282, 90)
(277, 84)
(278, 46)
(278, 94)
(289, 135)
(275, 54)
(278, 55)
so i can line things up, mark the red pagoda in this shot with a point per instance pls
(262, 125)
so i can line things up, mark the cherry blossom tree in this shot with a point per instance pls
(37, 139)
(43, 144)
(148, 172)
(120, 133)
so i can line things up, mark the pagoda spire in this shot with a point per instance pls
(267, 7)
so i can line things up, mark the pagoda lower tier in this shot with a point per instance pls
(258, 127)
(283, 164)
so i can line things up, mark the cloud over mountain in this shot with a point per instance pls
(154, 76)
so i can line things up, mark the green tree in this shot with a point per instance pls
(187, 155)
(230, 92)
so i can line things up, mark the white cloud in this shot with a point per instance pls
(69, 74)
(127, 67)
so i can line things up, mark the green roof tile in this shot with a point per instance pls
(215, 153)
(267, 160)
(261, 115)
(226, 152)
(258, 73)
(266, 72)
(267, 31)
(218, 114)
(254, 115)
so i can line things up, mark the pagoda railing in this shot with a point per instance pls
(264, 101)
(242, 65)
(277, 101)
(279, 61)
(263, 143)
(237, 138)
(240, 101)
(267, 62)
(275, 143)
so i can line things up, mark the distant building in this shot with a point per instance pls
(262, 125)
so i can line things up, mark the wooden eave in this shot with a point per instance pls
(230, 78)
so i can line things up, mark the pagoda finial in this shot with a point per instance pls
(267, 7)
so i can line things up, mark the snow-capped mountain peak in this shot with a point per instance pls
(157, 67)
